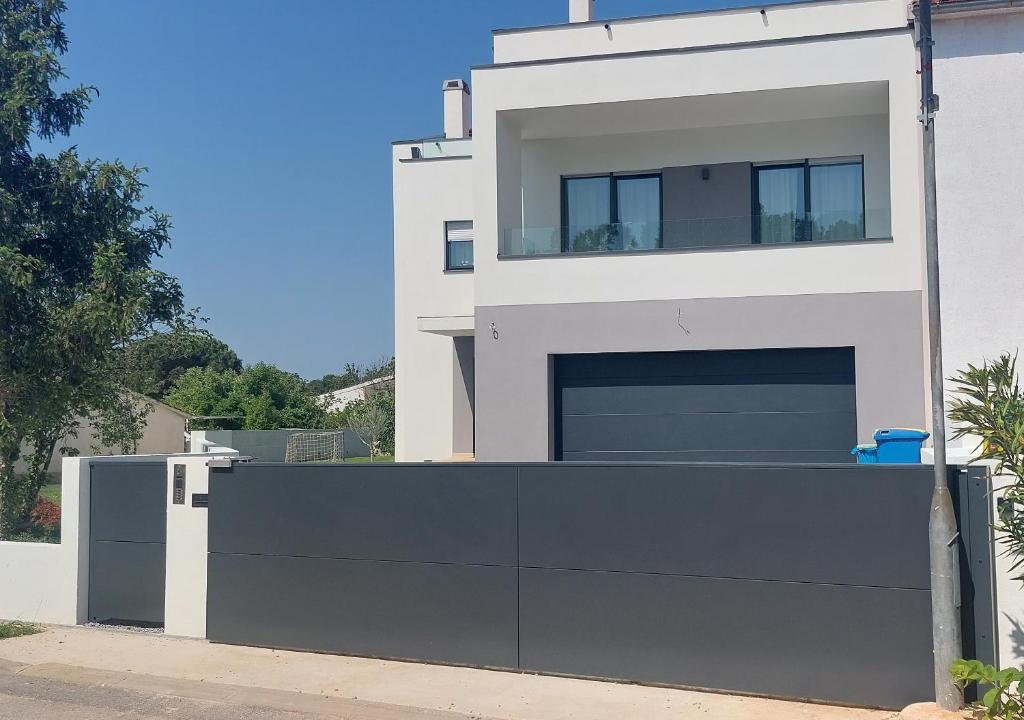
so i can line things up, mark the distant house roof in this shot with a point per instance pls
(165, 406)
(359, 386)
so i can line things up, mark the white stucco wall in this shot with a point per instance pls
(979, 135)
(503, 94)
(48, 583)
(427, 193)
(979, 66)
(698, 29)
(187, 546)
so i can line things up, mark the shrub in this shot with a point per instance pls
(46, 513)
(1004, 699)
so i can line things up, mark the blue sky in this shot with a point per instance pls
(266, 127)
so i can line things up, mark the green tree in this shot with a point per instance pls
(353, 374)
(989, 407)
(76, 246)
(378, 426)
(153, 364)
(265, 396)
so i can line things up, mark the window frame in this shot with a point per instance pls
(447, 246)
(806, 164)
(613, 201)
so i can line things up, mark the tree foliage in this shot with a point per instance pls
(353, 374)
(371, 419)
(265, 397)
(989, 407)
(76, 246)
(154, 363)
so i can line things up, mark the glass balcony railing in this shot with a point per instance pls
(441, 148)
(704, 233)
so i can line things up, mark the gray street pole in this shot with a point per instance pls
(942, 530)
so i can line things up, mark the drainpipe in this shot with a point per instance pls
(943, 535)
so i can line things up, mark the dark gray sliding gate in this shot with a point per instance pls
(797, 581)
(127, 542)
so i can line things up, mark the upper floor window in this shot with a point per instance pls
(458, 245)
(611, 212)
(809, 200)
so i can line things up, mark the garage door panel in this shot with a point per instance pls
(709, 431)
(746, 397)
(837, 362)
(764, 405)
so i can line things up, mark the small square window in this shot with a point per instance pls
(458, 240)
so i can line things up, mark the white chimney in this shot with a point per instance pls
(581, 11)
(456, 109)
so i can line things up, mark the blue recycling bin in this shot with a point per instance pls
(899, 445)
(867, 454)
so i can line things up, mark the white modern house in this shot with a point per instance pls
(338, 400)
(698, 236)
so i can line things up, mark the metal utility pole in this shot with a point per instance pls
(943, 536)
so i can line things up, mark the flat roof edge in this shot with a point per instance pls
(662, 16)
(849, 35)
(959, 7)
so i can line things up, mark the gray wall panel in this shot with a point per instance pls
(272, 445)
(448, 613)
(440, 513)
(513, 382)
(721, 205)
(824, 642)
(126, 581)
(731, 521)
(462, 401)
(128, 501)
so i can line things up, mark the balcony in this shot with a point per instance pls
(438, 148)
(716, 233)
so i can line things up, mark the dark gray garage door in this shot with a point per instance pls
(785, 405)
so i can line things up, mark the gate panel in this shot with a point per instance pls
(462, 614)
(127, 542)
(837, 643)
(786, 580)
(789, 580)
(393, 561)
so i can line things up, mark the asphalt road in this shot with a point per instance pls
(40, 698)
(30, 698)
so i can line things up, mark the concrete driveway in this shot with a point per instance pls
(90, 674)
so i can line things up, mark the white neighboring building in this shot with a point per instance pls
(338, 400)
(690, 236)
(979, 136)
(164, 433)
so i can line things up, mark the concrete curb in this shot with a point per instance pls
(931, 711)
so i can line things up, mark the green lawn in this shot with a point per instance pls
(17, 629)
(378, 459)
(51, 493)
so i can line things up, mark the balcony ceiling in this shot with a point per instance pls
(823, 101)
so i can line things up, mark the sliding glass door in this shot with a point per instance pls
(781, 198)
(815, 200)
(638, 201)
(837, 201)
(611, 213)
